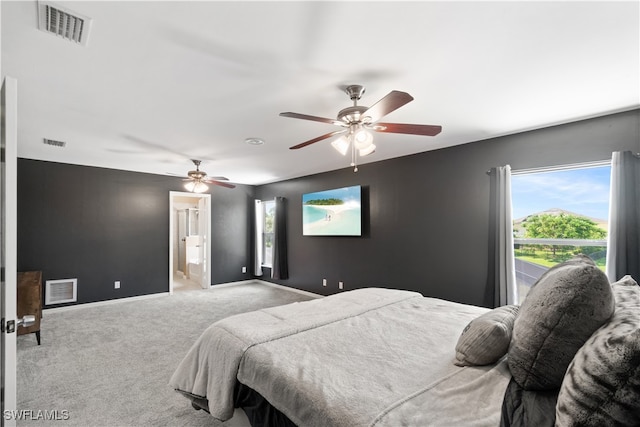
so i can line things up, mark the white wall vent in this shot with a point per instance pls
(60, 291)
(64, 23)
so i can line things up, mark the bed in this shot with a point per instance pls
(369, 357)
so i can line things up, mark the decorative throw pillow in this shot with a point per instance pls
(486, 338)
(602, 385)
(561, 311)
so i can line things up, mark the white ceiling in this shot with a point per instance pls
(161, 82)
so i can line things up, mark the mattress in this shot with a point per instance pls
(368, 357)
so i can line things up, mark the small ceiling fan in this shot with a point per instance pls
(198, 180)
(359, 120)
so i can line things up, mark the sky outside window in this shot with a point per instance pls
(583, 191)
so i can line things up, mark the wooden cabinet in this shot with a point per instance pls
(30, 300)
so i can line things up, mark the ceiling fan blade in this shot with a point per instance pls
(222, 184)
(391, 102)
(427, 130)
(313, 118)
(216, 178)
(314, 140)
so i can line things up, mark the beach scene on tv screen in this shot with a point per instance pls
(332, 212)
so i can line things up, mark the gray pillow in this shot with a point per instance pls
(561, 311)
(486, 338)
(602, 385)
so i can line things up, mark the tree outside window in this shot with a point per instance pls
(565, 226)
(557, 215)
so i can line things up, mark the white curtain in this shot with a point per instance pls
(623, 237)
(504, 270)
(259, 227)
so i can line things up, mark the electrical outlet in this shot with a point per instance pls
(244, 269)
(324, 282)
(340, 285)
(116, 284)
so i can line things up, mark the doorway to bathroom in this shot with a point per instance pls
(189, 241)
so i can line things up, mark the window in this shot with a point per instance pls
(269, 216)
(558, 214)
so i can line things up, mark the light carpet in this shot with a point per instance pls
(109, 365)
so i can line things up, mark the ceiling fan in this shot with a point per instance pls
(359, 121)
(198, 180)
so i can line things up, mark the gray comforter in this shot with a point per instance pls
(369, 357)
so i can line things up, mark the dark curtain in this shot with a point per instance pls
(280, 268)
(491, 269)
(625, 217)
(501, 277)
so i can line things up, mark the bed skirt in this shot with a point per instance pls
(258, 409)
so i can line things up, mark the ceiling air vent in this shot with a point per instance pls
(54, 143)
(63, 23)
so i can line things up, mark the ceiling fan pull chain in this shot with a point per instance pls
(354, 155)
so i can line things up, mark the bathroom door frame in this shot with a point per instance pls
(173, 195)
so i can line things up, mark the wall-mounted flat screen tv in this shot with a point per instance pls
(333, 212)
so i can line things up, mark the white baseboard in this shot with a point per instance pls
(163, 294)
(273, 285)
(287, 288)
(99, 303)
(241, 282)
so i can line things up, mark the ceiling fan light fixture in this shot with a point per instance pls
(366, 151)
(341, 145)
(196, 186)
(362, 139)
(362, 121)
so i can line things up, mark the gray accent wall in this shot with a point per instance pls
(102, 225)
(426, 227)
(425, 221)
